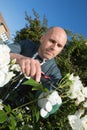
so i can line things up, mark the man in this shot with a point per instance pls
(35, 60)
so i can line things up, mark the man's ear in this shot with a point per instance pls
(42, 38)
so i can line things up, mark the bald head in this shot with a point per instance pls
(58, 31)
(52, 42)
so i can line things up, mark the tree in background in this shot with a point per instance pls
(74, 57)
(33, 30)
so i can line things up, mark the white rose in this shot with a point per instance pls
(84, 122)
(75, 122)
(84, 91)
(4, 55)
(85, 104)
(1, 106)
(5, 77)
(16, 67)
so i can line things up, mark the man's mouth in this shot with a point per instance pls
(49, 52)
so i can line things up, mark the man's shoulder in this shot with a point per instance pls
(28, 44)
(27, 41)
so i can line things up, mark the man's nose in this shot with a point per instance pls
(54, 45)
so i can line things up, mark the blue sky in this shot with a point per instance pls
(69, 14)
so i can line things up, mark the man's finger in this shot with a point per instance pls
(38, 71)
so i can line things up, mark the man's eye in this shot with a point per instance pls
(59, 45)
(53, 41)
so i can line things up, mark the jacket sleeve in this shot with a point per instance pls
(24, 47)
(15, 48)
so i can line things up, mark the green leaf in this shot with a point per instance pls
(7, 108)
(3, 116)
(13, 122)
(37, 116)
(35, 85)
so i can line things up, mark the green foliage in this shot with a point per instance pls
(74, 57)
(36, 85)
(3, 116)
(26, 116)
(33, 29)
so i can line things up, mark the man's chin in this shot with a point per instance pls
(48, 57)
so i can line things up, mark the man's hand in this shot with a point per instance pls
(29, 66)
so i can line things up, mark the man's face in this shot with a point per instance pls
(52, 44)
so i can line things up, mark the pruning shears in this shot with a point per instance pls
(47, 79)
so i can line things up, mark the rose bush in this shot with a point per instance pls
(70, 94)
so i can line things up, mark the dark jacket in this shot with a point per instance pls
(28, 48)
